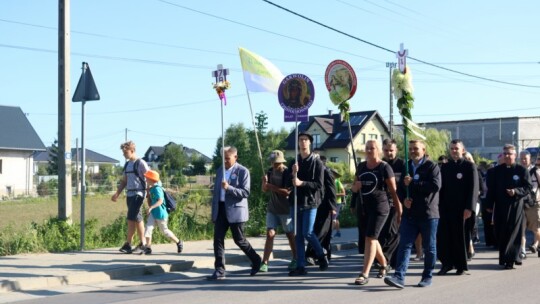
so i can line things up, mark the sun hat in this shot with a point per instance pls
(277, 157)
(152, 175)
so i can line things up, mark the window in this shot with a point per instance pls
(363, 138)
(334, 159)
(372, 136)
(316, 141)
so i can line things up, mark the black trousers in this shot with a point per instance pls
(220, 229)
(489, 232)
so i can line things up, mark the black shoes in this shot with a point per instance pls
(300, 271)
(444, 270)
(126, 248)
(217, 275)
(323, 263)
(180, 246)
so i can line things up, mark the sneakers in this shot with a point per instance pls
(142, 249)
(217, 275)
(394, 282)
(264, 267)
(180, 246)
(323, 263)
(146, 250)
(126, 248)
(338, 234)
(310, 261)
(300, 271)
(426, 282)
(292, 265)
(533, 248)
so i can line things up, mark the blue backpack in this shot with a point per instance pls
(170, 201)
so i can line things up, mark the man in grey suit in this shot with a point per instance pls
(230, 210)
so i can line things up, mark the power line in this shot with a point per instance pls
(393, 52)
(268, 31)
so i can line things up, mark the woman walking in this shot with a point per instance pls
(373, 177)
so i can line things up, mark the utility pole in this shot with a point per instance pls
(391, 66)
(64, 112)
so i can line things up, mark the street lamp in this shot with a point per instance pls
(513, 134)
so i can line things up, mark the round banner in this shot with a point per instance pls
(296, 93)
(340, 81)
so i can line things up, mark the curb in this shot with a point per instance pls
(25, 284)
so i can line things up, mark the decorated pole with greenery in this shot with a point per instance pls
(340, 81)
(403, 92)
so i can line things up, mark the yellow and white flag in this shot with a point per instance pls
(260, 75)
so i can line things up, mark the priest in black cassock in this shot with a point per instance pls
(389, 237)
(508, 184)
(457, 198)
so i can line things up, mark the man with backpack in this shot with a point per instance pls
(308, 178)
(278, 212)
(134, 183)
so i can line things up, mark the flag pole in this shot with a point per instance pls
(254, 128)
(222, 143)
(220, 86)
(295, 175)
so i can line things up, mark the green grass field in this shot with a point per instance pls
(20, 213)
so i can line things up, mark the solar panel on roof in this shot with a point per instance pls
(355, 120)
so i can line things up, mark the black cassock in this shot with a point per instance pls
(458, 192)
(508, 210)
(323, 220)
(389, 237)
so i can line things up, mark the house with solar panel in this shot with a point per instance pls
(332, 136)
(18, 143)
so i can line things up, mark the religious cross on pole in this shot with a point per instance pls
(220, 73)
(402, 58)
(221, 84)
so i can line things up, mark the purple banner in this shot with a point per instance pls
(302, 116)
(296, 93)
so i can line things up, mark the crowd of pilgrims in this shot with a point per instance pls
(426, 206)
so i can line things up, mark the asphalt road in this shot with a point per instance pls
(485, 283)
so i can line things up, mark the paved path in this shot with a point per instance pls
(29, 272)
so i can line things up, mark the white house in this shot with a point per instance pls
(18, 142)
(332, 136)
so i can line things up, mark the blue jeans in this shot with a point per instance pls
(306, 219)
(409, 230)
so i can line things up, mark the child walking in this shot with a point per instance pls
(157, 213)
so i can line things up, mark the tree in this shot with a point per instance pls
(174, 158)
(261, 122)
(436, 143)
(199, 166)
(52, 168)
